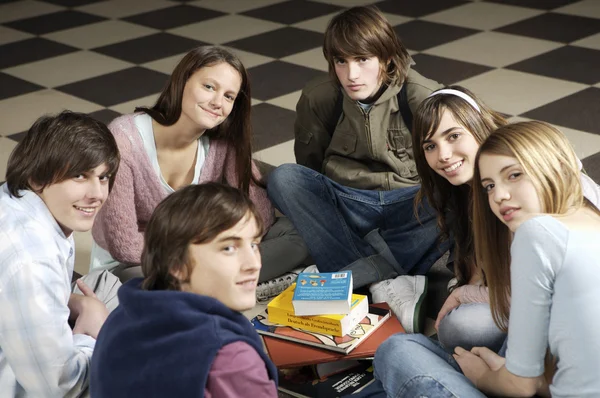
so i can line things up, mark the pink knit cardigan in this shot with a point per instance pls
(119, 225)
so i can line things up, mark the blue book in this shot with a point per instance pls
(325, 293)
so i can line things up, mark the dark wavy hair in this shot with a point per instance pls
(58, 147)
(236, 129)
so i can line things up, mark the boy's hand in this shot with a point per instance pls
(88, 312)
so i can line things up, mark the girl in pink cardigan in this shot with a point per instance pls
(198, 131)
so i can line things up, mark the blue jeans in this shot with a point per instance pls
(468, 326)
(413, 365)
(373, 233)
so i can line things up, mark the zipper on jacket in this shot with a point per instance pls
(368, 131)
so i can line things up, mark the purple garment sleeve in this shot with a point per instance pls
(239, 371)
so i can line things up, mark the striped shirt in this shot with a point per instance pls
(39, 355)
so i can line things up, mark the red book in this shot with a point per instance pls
(287, 354)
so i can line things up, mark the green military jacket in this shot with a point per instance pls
(367, 150)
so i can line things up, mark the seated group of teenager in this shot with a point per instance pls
(392, 171)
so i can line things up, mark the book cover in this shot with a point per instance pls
(344, 344)
(301, 382)
(288, 354)
(323, 293)
(281, 311)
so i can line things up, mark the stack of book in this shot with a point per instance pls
(326, 351)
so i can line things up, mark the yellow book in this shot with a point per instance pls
(280, 310)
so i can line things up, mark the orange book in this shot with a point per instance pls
(287, 354)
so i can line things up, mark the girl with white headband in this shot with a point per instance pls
(449, 127)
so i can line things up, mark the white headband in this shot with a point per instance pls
(460, 94)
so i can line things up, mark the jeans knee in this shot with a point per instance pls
(396, 346)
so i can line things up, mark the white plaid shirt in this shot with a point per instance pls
(39, 355)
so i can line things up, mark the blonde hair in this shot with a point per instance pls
(365, 32)
(442, 196)
(548, 159)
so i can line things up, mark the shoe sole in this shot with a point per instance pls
(419, 319)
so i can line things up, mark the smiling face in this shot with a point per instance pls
(359, 76)
(75, 202)
(227, 267)
(209, 95)
(511, 193)
(451, 151)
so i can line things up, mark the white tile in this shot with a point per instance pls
(585, 144)
(121, 8)
(311, 58)
(592, 42)
(225, 29)
(585, 8)
(100, 34)
(255, 101)
(482, 15)
(515, 92)
(6, 147)
(19, 113)
(231, 6)
(493, 48)
(26, 9)
(83, 251)
(69, 68)
(8, 35)
(165, 65)
(129, 106)
(287, 101)
(278, 154)
(250, 60)
(318, 24)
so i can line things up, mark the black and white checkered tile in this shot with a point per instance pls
(531, 59)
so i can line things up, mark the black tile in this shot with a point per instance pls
(569, 63)
(53, 22)
(293, 11)
(18, 137)
(117, 87)
(149, 48)
(172, 17)
(421, 35)
(72, 3)
(580, 111)
(277, 78)
(31, 50)
(105, 115)
(556, 27)
(539, 4)
(446, 71)
(417, 8)
(279, 43)
(591, 165)
(271, 125)
(7, 1)
(12, 86)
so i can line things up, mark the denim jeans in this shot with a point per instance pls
(373, 233)
(468, 326)
(413, 365)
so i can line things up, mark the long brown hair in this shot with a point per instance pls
(236, 129)
(194, 214)
(58, 147)
(547, 157)
(365, 32)
(451, 203)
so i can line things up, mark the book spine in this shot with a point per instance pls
(310, 324)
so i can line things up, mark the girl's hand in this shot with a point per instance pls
(451, 303)
(473, 366)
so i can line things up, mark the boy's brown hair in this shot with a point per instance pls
(192, 215)
(58, 147)
(365, 32)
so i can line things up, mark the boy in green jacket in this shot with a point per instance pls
(351, 194)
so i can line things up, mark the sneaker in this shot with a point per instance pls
(452, 284)
(405, 295)
(272, 288)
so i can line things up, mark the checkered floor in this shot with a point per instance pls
(531, 59)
